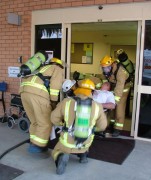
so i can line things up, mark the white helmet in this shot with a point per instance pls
(67, 85)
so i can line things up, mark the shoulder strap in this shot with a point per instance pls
(46, 80)
(87, 101)
(118, 66)
(41, 76)
(131, 75)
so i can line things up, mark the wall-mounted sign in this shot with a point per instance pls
(50, 54)
(13, 71)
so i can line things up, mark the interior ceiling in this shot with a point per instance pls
(110, 30)
(109, 26)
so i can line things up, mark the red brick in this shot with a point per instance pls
(67, 4)
(126, 1)
(112, 1)
(100, 2)
(55, 6)
(87, 3)
(140, 0)
(46, 6)
(50, 2)
(40, 3)
(2, 4)
(12, 6)
(77, 3)
(5, 7)
(72, 0)
(60, 1)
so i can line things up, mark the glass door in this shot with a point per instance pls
(143, 114)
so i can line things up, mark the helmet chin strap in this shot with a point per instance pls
(70, 93)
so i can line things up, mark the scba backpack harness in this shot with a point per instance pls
(80, 129)
(127, 64)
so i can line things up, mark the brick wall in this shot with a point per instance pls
(16, 40)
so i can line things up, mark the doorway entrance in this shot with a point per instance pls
(103, 39)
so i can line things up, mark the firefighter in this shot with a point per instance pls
(118, 76)
(77, 137)
(97, 80)
(39, 95)
(68, 88)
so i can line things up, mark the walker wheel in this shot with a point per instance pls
(10, 123)
(23, 124)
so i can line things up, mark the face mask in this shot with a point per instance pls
(70, 93)
(107, 70)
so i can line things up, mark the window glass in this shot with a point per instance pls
(146, 79)
(48, 38)
(144, 126)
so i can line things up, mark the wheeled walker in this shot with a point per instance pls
(16, 114)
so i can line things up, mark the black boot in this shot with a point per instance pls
(83, 157)
(116, 133)
(61, 163)
(100, 134)
(110, 127)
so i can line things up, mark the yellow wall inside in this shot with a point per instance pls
(100, 48)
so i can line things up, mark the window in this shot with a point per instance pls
(48, 38)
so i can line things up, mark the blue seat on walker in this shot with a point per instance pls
(3, 88)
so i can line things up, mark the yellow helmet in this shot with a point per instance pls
(87, 84)
(106, 61)
(56, 60)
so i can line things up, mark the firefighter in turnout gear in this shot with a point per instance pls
(39, 95)
(81, 117)
(97, 80)
(118, 77)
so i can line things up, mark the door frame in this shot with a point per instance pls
(69, 26)
(137, 70)
(141, 88)
(136, 12)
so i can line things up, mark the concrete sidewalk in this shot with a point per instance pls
(135, 167)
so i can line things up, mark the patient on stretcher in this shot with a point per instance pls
(105, 96)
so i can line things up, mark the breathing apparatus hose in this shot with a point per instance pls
(14, 147)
